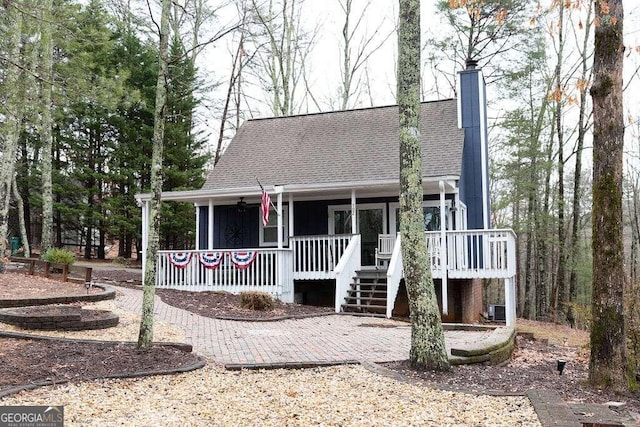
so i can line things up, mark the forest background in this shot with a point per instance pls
(90, 69)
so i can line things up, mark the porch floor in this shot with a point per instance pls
(328, 339)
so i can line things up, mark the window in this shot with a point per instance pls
(269, 234)
(431, 211)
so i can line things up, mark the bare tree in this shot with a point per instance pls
(145, 337)
(357, 48)
(280, 59)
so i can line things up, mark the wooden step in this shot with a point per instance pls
(369, 285)
(363, 290)
(353, 313)
(368, 307)
(362, 298)
(372, 274)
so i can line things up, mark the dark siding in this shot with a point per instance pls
(470, 182)
(310, 218)
(235, 230)
(203, 227)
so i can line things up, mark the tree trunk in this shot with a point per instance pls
(577, 178)
(45, 126)
(608, 363)
(559, 309)
(23, 228)
(427, 337)
(13, 118)
(145, 337)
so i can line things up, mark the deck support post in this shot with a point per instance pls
(510, 301)
(443, 252)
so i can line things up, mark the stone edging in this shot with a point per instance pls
(73, 320)
(108, 292)
(287, 365)
(191, 367)
(187, 348)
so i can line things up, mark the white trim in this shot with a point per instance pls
(210, 233)
(189, 195)
(354, 208)
(145, 236)
(291, 226)
(483, 149)
(443, 251)
(197, 226)
(425, 204)
(462, 208)
(459, 101)
(285, 224)
(280, 217)
(365, 206)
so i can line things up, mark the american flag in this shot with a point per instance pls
(265, 205)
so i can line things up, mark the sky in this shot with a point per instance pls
(326, 18)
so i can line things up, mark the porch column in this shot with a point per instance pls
(197, 225)
(290, 215)
(279, 189)
(354, 213)
(443, 252)
(210, 226)
(145, 235)
(458, 212)
(510, 301)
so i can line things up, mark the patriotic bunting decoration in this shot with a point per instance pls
(211, 260)
(242, 260)
(179, 259)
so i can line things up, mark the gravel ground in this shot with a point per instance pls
(336, 396)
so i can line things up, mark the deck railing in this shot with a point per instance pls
(481, 253)
(270, 271)
(395, 272)
(346, 270)
(316, 257)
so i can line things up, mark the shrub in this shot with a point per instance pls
(256, 301)
(59, 256)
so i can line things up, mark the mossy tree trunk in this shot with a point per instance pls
(46, 123)
(145, 337)
(608, 364)
(12, 111)
(23, 227)
(427, 337)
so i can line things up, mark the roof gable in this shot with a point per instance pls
(344, 146)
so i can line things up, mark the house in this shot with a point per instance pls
(332, 235)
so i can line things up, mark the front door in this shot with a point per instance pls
(369, 223)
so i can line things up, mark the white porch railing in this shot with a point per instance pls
(346, 270)
(316, 257)
(395, 272)
(481, 254)
(269, 272)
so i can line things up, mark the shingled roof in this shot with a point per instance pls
(344, 146)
